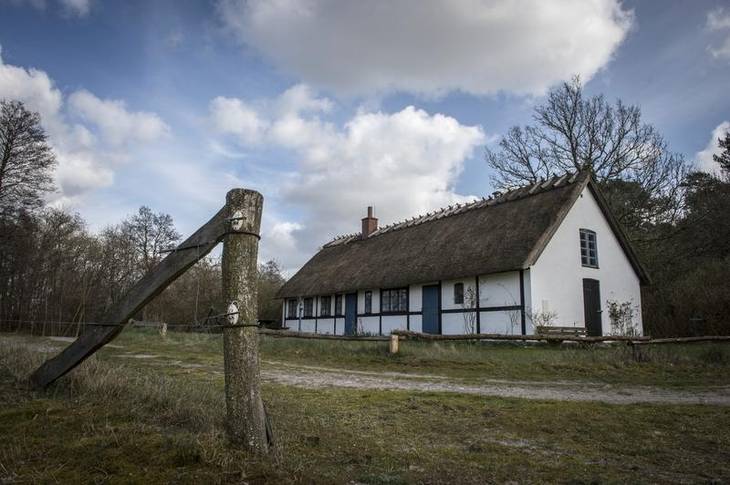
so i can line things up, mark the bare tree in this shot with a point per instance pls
(26, 158)
(724, 157)
(575, 132)
(150, 234)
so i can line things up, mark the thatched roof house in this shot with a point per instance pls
(492, 250)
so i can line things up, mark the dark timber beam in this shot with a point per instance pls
(152, 284)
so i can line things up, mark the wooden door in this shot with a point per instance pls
(592, 307)
(350, 314)
(431, 309)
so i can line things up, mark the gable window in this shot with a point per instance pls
(395, 300)
(338, 305)
(291, 309)
(459, 294)
(588, 248)
(368, 302)
(308, 307)
(325, 306)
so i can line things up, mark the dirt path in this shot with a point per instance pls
(316, 377)
(311, 377)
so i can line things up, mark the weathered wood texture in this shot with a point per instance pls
(553, 330)
(246, 417)
(686, 340)
(203, 240)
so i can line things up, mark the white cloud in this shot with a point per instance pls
(233, 116)
(705, 162)
(79, 8)
(85, 162)
(117, 124)
(432, 46)
(300, 99)
(403, 163)
(718, 20)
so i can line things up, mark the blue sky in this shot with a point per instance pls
(327, 107)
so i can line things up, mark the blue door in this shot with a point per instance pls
(431, 307)
(350, 313)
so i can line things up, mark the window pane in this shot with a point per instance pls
(459, 293)
(588, 248)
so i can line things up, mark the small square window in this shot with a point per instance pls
(291, 309)
(325, 306)
(395, 300)
(309, 307)
(588, 248)
(368, 302)
(459, 294)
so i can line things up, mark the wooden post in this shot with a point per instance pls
(393, 344)
(246, 417)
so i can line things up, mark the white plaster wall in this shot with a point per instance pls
(499, 289)
(501, 322)
(325, 325)
(557, 277)
(393, 322)
(416, 323)
(307, 325)
(453, 323)
(414, 297)
(368, 325)
(447, 293)
(340, 326)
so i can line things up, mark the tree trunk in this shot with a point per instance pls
(246, 417)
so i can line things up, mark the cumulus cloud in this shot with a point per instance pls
(79, 8)
(403, 163)
(432, 46)
(718, 20)
(705, 162)
(85, 162)
(234, 116)
(117, 124)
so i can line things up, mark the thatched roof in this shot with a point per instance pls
(503, 233)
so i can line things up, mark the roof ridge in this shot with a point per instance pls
(498, 197)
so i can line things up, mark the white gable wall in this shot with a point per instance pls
(556, 279)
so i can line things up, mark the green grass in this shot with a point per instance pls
(663, 366)
(139, 422)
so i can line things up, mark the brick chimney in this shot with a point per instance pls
(369, 224)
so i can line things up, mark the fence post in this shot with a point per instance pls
(246, 418)
(393, 344)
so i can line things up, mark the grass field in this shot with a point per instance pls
(663, 366)
(132, 420)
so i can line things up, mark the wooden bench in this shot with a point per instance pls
(552, 331)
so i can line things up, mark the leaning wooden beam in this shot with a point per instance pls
(188, 252)
(686, 340)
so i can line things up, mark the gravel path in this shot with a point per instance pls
(321, 377)
(316, 377)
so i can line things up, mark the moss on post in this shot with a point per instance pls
(246, 417)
